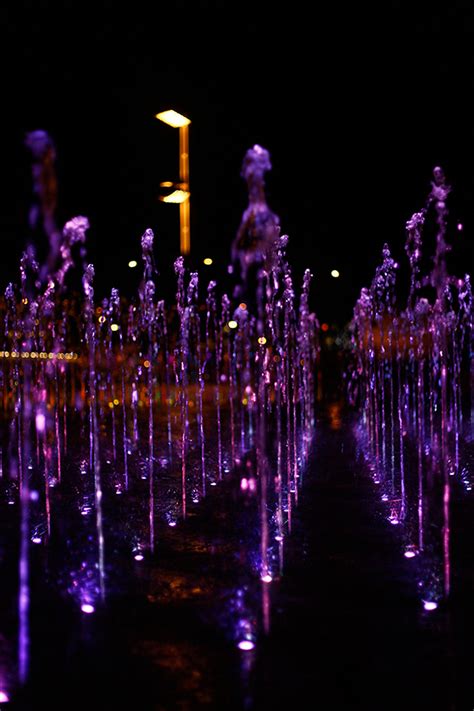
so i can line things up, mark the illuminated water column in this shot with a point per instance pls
(181, 194)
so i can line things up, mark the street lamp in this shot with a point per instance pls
(180, 194)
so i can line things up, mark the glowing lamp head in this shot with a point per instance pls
(233, 324)
(138, 556)
(114, 327)
(267, 578)
(176, 197)
(207, 261)
(430, 605)
(87, 608)
(173, 118)
(262, 340)
(4, 698)
(335, 274)
(132, 263)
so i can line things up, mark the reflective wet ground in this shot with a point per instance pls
(347, 626)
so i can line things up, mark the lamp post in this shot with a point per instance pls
(181, 194)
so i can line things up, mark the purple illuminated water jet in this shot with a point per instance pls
(409, 365)
(121, 413)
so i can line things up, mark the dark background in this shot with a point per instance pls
(355, 104)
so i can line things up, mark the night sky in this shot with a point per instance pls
(356, 107)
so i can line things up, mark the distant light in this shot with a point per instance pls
(146, 363)
(262, 340)
(114, 327)
(132, 263)
(244, 485)
(324, 327)
(429, 605)
(4, 698)
(409, 554)
(36, 539)
(139, 556)
(166, 184)
(242, 306)
(233, 324)
(335, 274)
(173, 118)
(176, 197)
(267, 578)
(87, 608)
(207, 261)
(39, 355)
(246, 645)
(116, 402)
(460, 226)
(172, 523)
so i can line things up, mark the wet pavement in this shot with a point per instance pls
(348, 630)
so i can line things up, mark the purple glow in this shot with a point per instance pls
(409, 554)
(267, 578)
(87, 608)
(40, 422)
(36, 539)
(460, 226)
(244, 485)
(246, 645)
(429, 605)
(139, 556)
(4, 698)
